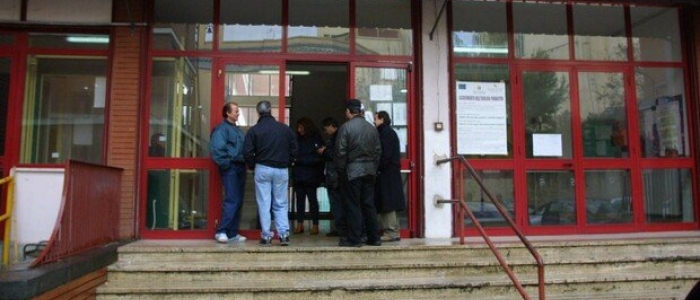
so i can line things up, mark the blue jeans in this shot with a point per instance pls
(271, 190)
(233, 180)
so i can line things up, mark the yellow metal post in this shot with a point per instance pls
(6, 219)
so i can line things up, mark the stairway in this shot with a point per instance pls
(660, 268)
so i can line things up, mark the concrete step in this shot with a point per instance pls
(618, 269)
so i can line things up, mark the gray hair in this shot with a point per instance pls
(264, 108)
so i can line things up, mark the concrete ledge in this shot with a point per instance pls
(26, 283)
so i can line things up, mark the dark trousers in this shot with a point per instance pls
(233, 180)
(359, 201)
(301, 192)
(338, 210)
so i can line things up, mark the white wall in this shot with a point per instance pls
(437, 179)
(37, 200)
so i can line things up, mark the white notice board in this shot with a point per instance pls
(481, 118)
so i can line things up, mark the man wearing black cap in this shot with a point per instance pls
(357, 152)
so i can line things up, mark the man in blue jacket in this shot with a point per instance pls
(226, 149)
(270, 148)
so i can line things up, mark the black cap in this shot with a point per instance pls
(354, 104)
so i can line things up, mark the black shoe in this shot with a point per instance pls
(390, 239)
(284, 241)
(346, 243)
(265, 242)
(333, 234)
(374, 243)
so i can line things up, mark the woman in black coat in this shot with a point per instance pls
(389, 196)
(307, 173)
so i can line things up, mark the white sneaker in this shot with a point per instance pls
(237, 238)
(221, 237)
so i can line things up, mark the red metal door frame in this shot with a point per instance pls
(409, 164)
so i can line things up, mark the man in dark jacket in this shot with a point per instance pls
(357, 151)
(270, 148)
(389, 197)
(226, 149)
(330, 127)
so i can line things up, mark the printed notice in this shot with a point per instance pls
(546, 144)
(481, 118)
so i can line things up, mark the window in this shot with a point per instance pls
(599, 32)
(479, 29)
(319, 26)
(183, 25)
(540, 31)
(64, 109)
(248, 28)
(655, 34)
(378, 34)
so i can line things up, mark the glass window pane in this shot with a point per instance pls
(183, 25)
(656, 34)
(662, 110)
(480, 29)
(10, 10)
(550, 198)
(249, 84)
(4, 99)
(177, 199)
(668, 195)
(246, 27)
(318, 26)
(377, 34)
(547, 114)
(69, 41)
(600, 32)
(7, 39)
(180, 98)
(385, 89)
(500, 184)
(64, 109)
(603, 114)
(489, 73)
(69, 11)
(540, 31)
(608, 198)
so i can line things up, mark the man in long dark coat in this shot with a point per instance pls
(389, 196)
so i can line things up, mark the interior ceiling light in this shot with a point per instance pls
(88, 39)
(275, 72)
(480, 50)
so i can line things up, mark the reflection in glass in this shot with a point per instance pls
(177, 199)
(64, 108)
(249, 84)
(661, 105)
(385, 89)
(655, 33)
(180, 98)
(500, 184)
(603, 114)
(608, 198)
(547, 114)
(668, 195)
(489, 73)
(69, 41)
(480, 29)
(318, 26)
(246, 27)
(550, 198)
(378, 34)
(596, 40)
(4, 100)
(540, 31)
(185, 26)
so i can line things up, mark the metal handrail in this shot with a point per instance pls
(6, 218)
(501, 209)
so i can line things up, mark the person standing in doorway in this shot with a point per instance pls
(270, 149)
(307, 173)
(339, 228)
(357, 155)
(389, 196)
(226, 149)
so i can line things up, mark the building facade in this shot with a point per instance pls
(580, 116)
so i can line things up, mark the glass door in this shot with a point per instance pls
(5, 79)
(577, 164)
(247, 84)
(389, 88)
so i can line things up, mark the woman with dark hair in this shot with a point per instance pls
(307, 173)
